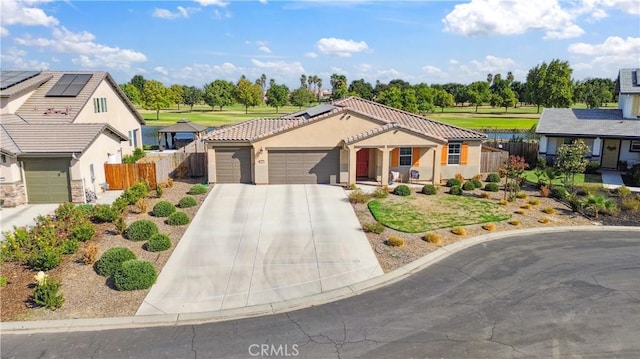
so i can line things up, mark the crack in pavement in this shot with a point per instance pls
(193, 341)
(614, 289)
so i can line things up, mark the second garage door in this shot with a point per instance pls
(304, 166)
(47, 180)
(233, 165)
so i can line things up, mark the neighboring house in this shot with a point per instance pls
(57, 130)
(613, 136)
(348, 140)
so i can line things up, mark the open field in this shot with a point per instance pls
(507, 123)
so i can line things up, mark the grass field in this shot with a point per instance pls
(507, 123)
(205, 116)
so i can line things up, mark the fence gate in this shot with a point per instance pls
(125, 175)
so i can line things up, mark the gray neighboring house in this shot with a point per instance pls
(613, 135)
(57, 130)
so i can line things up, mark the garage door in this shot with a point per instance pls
(47, 180)
(233, 165)
(304, 166)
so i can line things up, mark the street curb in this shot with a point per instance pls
(94, 324)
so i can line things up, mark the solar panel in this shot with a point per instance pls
(69, 85)
(12, 78)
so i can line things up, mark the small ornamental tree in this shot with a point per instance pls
(570, 161)
(513, 170)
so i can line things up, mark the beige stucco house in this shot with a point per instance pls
(57, 129)
(343, 142)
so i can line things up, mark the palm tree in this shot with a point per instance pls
(489, 78)
(303, 80)
(319, 86)
(598, 203)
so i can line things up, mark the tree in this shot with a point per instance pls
(424, 97)
(191, 95)
(518, 89)
(558, 87)
(300, 97)
(392, 97)
(303, 80)
(219, 93)
(132, 93)
(338, 86)
(502, 95)
(138, 81)
(262, 81)
(459, 92)
(535, 84)
(442, 99)
(277, 95)
(598, 203)
(156, 96)
(175, 94)
(593, 92)
(319, 85)
(247, 93)
(479, 93)
(409, 100)
(570, 160)
(513, 169)
(361, 88)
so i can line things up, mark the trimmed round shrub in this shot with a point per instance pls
(198, 189)
(493, 178)
(468, 186)
(492, 187)
(82, 232)
(512, 187)
(141, 230)
(104, 213)
(429, 189)
(433, 238)
(158, 242)
(178, 219)
(402, 190)
(70, 246)
(45, 260)
(559, 193)
(476, 183)
(112, 259)
(395, 241)
(163, 209)
(455, 190)
(453, 182)
(84, 210)
(119, 205)
(186, 202)
(134, 274)
(373, 227)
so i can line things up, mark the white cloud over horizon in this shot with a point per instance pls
(340, 47)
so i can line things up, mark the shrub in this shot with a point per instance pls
(119, 205)
(112, 259)
(489, 227)
(526, 206)
(70, 246)
(141, 230)
(534, 201)
(559, 193)
(477, 177)
(85, 211)
(120, 224)
(158, 242)
(544, 220)
(198, 189)
(159, 191)
(453, 182)
(142, 205)
(137, 154)
(521, 195)
(492, 187)
(545, 191)
(630, 204)
(519, 211)
(485, 195)
(178, 219)
(140, 190)
(357, 196)
(163, 209)
(433, 238)
(460, 231)
(89, 254)
(635, 174)
(169, 182)
(592, 167)
(623, 191)
(549, 210)
(493, 178)
(512, 187)
(429, 189)
(459, 177)
(83, 232)
(503, 202)
(455, 190)
(3, 282)
(476, 183)
(46, 293)
(402, 190)
(353, 187)
(468, 186)
(395, 241)
(104, 213)
(514, 222)
(134, 274)
(186, 202)
(381, 192)
(373, 227)
(45, 260)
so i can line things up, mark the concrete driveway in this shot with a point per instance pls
(252, 245)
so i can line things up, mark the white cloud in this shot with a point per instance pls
(161, 70)
(568, 32)
(212, 3)
(454, 62)
(219, 15)
(21, 13)
(15, 58)
(606, 58)
(433, 71)
(495, 64)
(90, 54)
(340, 47)
(264, 49)
(364, 68)
(263, 1)
(629, 6)
(488, 17)
(4, 31)
(181, 12)
(279, 67)
(311, 55)
(612, 46)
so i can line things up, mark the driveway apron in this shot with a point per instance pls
(251, 245)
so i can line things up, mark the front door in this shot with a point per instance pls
(610, 153)
(362, 163)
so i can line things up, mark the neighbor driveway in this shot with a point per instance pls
(250, 245)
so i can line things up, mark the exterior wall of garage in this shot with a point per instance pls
(12, 190)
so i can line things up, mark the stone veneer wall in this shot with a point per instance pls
(13, 194)
(77, 191)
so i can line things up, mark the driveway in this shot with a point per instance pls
(252, 245)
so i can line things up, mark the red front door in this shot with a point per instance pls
(362, 163)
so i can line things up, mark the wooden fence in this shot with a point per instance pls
(526, 149)
(125, 175)
(491, 159)
(180, 165)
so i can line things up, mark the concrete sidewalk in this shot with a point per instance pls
(251, 245)
(613, 180)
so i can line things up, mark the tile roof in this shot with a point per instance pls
(184, 126)
(629, 81)
(52, 138)
(28, 84)
(382, 129)
(587, 122)
(263, 127)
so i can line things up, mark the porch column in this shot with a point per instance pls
(543, 145)
(352, 165)
(436, 166)
(597, 147)
(385, 165)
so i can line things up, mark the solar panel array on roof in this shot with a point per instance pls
(11, 78)
(69, 85)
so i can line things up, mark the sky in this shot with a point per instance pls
(196, 42)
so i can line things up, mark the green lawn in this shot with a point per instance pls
(507, 123)
(205, 116)
(420, 213)
(581, 178)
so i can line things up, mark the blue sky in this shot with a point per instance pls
(195, 42)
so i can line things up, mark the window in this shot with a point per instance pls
(100, 104)
(454, 154)
(405, 157)
(135, 138)
(130, 138)
(634, 146)
(93, 173)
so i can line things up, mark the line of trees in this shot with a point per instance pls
(547, 85)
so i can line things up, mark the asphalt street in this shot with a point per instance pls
(557, 295)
